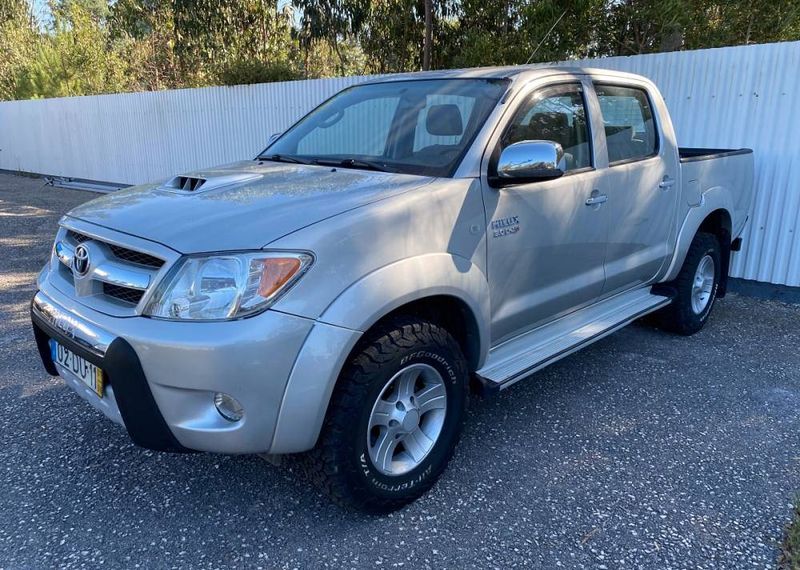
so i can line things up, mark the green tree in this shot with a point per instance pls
(213, 35)
(334, 22)
(146, 31)
(18, 38)
(724, 23)
(76, 57)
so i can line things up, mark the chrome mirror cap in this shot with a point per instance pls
(528, 161)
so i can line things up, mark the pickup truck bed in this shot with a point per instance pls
(706, 168)
(689, 154)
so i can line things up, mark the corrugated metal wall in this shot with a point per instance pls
(139, 137)
(729, 97)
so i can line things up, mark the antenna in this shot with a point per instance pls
(564, 13)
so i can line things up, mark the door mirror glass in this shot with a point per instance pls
(529, 161)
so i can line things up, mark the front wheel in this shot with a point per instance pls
(696, 287)
(394, 418)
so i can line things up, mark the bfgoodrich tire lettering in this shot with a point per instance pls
(341, 462)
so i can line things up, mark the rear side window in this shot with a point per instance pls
(628, 120)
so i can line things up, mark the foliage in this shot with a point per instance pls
(249, 71)
(101, 46)
(790, 549)
(76, 58)
(17, 44)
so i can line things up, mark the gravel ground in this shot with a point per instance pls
(646, 450)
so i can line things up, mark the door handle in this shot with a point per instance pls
(666, 183)
(596, 199)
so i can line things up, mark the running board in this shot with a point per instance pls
(519, 357)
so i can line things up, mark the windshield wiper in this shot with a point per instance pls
(284, 158)
(353, 163)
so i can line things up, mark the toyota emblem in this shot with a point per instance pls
(80, 261)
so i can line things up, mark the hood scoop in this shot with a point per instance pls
(190, 184)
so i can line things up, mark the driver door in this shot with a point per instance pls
(546, 245)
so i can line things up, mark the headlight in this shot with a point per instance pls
(226, 286)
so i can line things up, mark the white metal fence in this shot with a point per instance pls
(730, 97)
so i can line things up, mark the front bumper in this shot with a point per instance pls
(163, 374)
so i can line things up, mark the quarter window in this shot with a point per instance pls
(555, 114)
(628, 122)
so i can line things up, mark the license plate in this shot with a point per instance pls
(84, 370)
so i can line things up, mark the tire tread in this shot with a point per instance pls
(678, 316)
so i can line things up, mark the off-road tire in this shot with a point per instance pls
(678, 316)
(340, 464)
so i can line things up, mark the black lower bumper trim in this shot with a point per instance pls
(142, 418)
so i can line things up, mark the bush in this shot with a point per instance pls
(246, 72)
(790, 552)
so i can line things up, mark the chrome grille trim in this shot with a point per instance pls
(121, 276)
(108, 271)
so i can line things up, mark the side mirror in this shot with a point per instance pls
(529, 161)
(273, 137)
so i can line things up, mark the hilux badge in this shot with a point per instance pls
(505, 226)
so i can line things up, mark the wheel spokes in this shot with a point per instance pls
(382, 414)
(432, 397)
(417, 444)
(407, 419)
(383, 450)
(406, 383)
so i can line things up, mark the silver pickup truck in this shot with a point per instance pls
(409, 242)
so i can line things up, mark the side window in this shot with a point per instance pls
(555, 114)
(628, 120)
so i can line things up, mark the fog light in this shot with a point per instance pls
(228, 407)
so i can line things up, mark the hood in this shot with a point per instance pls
(244, 205)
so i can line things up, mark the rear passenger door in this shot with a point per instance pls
(641, 182)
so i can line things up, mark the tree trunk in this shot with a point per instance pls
(426, 47)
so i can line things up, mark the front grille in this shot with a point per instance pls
(132, 296)
(123, 253)
(76, 237)
(117, 277)
(136, 257)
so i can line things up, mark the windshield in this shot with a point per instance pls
(416, 127)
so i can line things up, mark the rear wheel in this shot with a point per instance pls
(696, 287)
(394, 418)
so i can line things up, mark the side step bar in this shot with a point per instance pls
(519, 357)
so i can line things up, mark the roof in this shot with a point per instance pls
(499, 72)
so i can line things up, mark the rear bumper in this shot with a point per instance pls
(163, 375)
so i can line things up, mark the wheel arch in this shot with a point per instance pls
(448, 311)
(446, 289)
(719, 224)
(713, 215)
